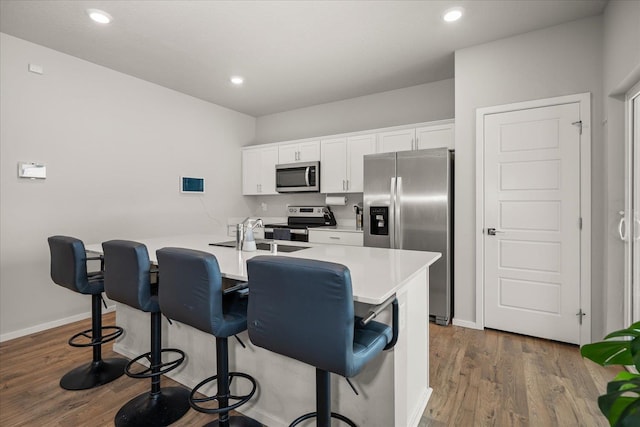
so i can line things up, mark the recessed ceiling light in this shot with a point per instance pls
(453, 14)
(99, 16)
(237, 80)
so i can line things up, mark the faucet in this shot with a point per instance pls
(242, 228)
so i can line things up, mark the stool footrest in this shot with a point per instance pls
(315, 414)
(193, 401)
(117, 331)
(163, 367)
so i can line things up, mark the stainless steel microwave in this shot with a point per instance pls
(298, 177)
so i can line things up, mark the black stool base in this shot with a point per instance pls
(161, 409)
(315, 415)
(93, 374)
(239, 421)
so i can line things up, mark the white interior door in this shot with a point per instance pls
(634, 231)
(532, 201)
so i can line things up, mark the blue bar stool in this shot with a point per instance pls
(128, 280)
(303, 309)
(192, 294)
(69, 269)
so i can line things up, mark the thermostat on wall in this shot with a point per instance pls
(191, 185)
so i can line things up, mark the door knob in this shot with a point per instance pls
(493, 231)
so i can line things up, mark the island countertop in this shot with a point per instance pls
(376, 273)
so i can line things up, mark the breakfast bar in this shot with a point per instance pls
(393, 389)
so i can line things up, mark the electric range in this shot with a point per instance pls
(299, 220)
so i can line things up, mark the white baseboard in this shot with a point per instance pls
(53, 324)
(466, 324)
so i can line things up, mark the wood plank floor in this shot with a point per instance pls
(479, 378)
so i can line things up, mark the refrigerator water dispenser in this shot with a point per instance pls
(379, 220)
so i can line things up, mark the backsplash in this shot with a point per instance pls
(276, 206)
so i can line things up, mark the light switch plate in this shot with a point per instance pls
(32, 170)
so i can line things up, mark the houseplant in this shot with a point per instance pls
(621, 403)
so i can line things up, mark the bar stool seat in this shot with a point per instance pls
(128, 281)
(69, 270)
(192, 294)
(304, 309)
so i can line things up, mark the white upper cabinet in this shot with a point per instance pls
(435, 136)
(307, 151)
(333, 165)
(259, 170)
(397, 140)
(358, 147)
(429, 136)
(342, 163)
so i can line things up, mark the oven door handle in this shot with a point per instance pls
(306, 175)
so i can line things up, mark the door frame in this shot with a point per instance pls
(584, 101)
(630, 288)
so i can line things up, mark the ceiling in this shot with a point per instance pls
(292, 54)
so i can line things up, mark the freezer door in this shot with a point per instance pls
(424, 216)
(378, 215)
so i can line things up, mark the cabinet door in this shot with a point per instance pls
(268, 161)
(436, 136)
(251, 171)
(309, 151)
(333, 166)
(399, 140)
(287, 153)
(357, 148)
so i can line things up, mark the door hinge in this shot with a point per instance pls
(580, 223)
(580, 315)
(579, 124)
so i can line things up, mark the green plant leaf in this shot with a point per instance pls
(630, 415)
(632, 331)
(608, 352)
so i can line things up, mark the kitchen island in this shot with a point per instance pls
(394, 387)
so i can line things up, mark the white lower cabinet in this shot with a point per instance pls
(336, 237)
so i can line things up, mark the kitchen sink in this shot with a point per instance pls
(262, 246)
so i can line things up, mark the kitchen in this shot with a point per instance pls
(85, 132)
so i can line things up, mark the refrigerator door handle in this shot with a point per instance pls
(398, 213)
(392, 214)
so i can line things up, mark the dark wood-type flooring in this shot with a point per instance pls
(478, 377)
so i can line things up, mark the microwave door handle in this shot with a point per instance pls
(306, 175)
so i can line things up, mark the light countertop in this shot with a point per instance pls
(341, 228)
(376, 273)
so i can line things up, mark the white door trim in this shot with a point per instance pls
(629, 291)
(584, 100)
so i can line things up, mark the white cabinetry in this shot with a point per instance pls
(430, 136)
(435, 136)
(307, 151)
(259, 170)
(336, 237)
(397, 140)
(342, 163)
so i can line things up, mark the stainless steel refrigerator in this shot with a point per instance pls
(408, 204)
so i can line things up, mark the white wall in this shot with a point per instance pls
(560, 60)
(415, 104)
(621, 70)
(114, 147)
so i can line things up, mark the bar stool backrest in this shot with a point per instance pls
(192, 289)
(302, 309)
(127, 274)
(69, 265)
